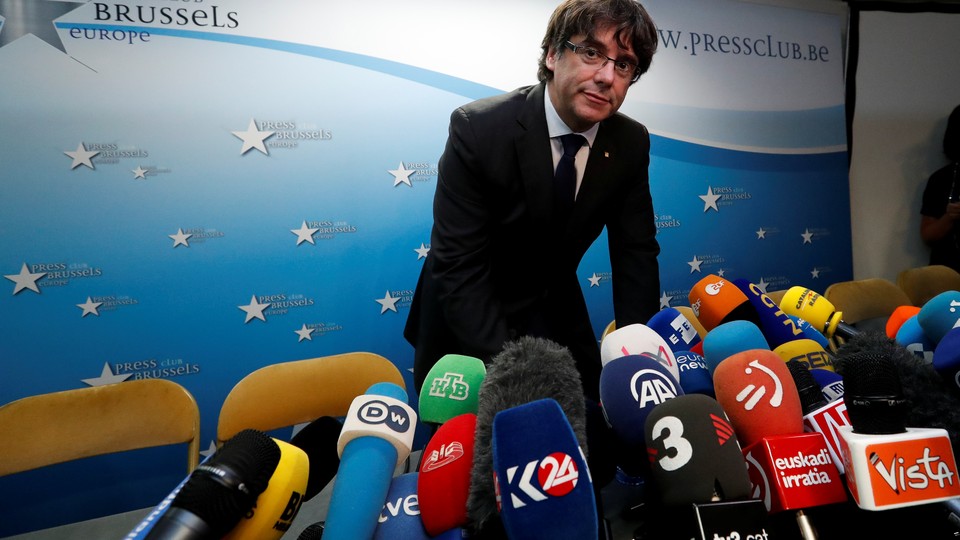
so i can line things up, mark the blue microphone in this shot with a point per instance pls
(912, 338)
(377, 436)
(400, 519)
(830, 382)
(810, 331)
(675, 329)
(543, 483)
(939, 315)
(777, 327)
(695, 376)
(729, 339)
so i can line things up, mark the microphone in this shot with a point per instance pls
(819, 415)
(319, 440)
(806, 351)
(898, 317)
(729, 339)
(911, 336)
(312, 532)
(777, 327)
(400, 518)
(527, 369)
(544, 489)
(889, 465)
(695, 376)
(715, 301)
(638, 339)
(939, 315)
(377, 436)
(451, 387)
(809, 332)
(946, 359)
(818, 311)
(675, 329)
(217, 494)
(444, 483)
(831, 383)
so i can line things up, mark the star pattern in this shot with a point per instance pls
(388, 303)
(762, 285)
(304, 233)
(254, 310)
(90, 307)
(695, 264)
(815, 273)
(25, 279)
(81, 156)
(401, 175)
(665, 300)
(106, 377)
(594, 280)
(807, 236)
(180, 239)
(139, 172)
(761, 234)
(304, 333)
(253, 138)
(422, 251)
(710, 200)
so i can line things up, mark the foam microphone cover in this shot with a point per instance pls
(809, 332)
(694, 452)
(527, 369)
(756, 390)
(817, 310)
(911, 336)
(451, 388)
(638, 339)
(730, 338)
(674, 327)
(313, 532)
(319, 440)
(939, 315)
(831, 383)
(777, 327)
(898, 317)
(445, 469)
(715, 300)
(695, 376)
(543, 482)
(811, 397)
(400, 519)
(946, 359)
(873, 394)
(806, 351)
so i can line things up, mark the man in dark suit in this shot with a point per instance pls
(507, 240)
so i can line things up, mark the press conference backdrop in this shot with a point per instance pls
(193, 190)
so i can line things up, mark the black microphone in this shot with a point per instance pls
(319, 440)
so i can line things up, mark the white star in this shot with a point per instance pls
(402, 175)
(665, 300)
(815, 273)
(211, 450)
(253, 138)
(89, 307)
(807, 236)
(25, 279)
(710, 200)
(720, 272)
(388, 302)
(762, 285)
(304, 233)
(695, 264)
(761, 234)
(422, 251)
(594, 280)
(304, 333)
(254, 310)
(139, 172)
(106, 377)
(81, 156)
(180, 239)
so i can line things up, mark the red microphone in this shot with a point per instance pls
(444, 481)
(819, 416)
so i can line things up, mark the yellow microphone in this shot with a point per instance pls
(816, 310)
(806, 351)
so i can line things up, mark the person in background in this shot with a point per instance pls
(941, 202)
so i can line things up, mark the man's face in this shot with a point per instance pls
(586, 94)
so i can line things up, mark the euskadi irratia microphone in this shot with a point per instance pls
(451, 388)
(817, 310)
(377, 436)
(819, 415)
(889, 465)
(400, 518)
(217, 494)
(715, 300)
(675, 329)
(544, 489)
(445, 469)
(638, 339)
(729, 339)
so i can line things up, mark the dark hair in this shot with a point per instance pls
(951, 138)
(574, 17)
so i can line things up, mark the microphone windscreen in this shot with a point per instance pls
(874, 394)
(812, 307)
(630, 387)
(694, 452)
(313, 531)
(714, 300)
(897, 318)
(946, 359)
(445, 474)
(400, 519)
(809, 332)
(831, 383)
(451, 388)
(695, 376)
(911, 336)
(729, 339)
(806, 351)
(811, 397)
(939, 315)
(319, 440)
(777, 327)
(543, 482)
(527, 369)
(757, 392)
(674, 327)
(638, 339)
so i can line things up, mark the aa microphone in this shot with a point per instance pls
(898, 317)
(217, 494)
(889, 465)
(451, 387)
(319, 440)
(674, 327)
(819, 415)
(816, 310)
(638, 339)
(939, 315)
(527, 369)
(946, 359)
(445, 469)
(777, 327)
(543, 484)
(695, 376)
(729, 339)
(400, 518)
(377, 436)
(806, 351)
(715, 301)
(911, 337)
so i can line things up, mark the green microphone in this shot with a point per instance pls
(451, 387)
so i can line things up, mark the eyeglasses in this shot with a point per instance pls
(593, 57)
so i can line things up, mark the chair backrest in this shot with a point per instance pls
(289, 393)
(777, 295)
(63, 426)
(611, 326)
(924, 282)
(863, 299)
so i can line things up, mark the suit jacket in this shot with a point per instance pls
(502, 264)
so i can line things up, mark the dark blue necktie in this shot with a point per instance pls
(565, 177)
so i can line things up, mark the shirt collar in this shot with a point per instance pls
(556, 127)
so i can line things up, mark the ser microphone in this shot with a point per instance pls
(806, 351)
(450, 388)
(445, 469)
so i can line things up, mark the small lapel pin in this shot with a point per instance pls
(606, 154)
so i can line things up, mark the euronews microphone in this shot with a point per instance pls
(543, 483)
(817, 310)
(715, 300)
(444, 483)
(731, 338)
(674, 327)
(819, 415)
(400, 518)
(638, 339)
(939, 315)
(695, 376)
(217, 494)
(377, 436)
(451, 388)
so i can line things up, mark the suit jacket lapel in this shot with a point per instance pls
(536, 160)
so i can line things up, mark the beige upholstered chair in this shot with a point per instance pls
(924, 282)
(863, 299)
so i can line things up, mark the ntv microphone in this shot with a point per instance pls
(451, 388)
(377, 436)
(887, 464)
(816, 310)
